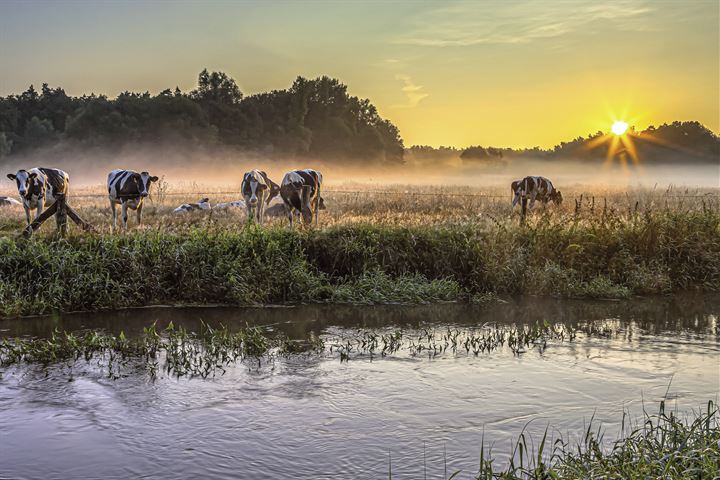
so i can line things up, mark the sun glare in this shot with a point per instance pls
(619, 127)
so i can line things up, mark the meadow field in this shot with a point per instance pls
(374, 244)
(380, 204)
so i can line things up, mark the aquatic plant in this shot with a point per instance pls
(173, 350)
(661, 445)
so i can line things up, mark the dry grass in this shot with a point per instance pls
(352, 203)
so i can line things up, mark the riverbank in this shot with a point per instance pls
(603, 256)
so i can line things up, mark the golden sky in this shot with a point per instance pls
(502, 73)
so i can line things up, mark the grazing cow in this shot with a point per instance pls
(128, 189)
(537, 188)
(300, 191)
(203, 204)
(39, 188)
(7, 201)
(258, 190)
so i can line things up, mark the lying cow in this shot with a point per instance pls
(203, 204)
(258, 190)
(300, 191)
(233, 204)
(128, 189)
(8, 201)
(536, 188)
(39, 188)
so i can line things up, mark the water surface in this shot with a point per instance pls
(311, 416)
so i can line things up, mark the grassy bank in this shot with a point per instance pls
(605, 255)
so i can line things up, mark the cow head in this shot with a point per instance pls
(145, 181)
(255, 184)
(556, 197)
(25, 182)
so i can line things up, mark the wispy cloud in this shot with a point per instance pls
(467, 24)
(414, 93)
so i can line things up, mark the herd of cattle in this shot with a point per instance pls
(299, 193)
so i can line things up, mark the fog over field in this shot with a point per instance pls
(225, 167)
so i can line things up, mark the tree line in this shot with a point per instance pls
(314, 118)
(670, 142)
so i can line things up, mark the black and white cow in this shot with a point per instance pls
(536, 188)
(300, 191)
(258, 190)
(203, 204)
(128, 189)
(39, 188)
(229, 205)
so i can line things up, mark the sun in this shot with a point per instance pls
(619, 127)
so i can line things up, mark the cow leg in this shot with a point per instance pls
(532, 200)
(124, 215)
(290, 215)
(260, 211)
(27, 214)
(114, 215)
(317, 203)
(40, 206)
(139, 213)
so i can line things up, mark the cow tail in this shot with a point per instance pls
(317, 201)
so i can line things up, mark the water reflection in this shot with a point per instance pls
(682, 313)
(311, 416)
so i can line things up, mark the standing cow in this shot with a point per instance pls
(258, 190)
(129, 189)
(300, 191)
(536, 188)
(39, 188)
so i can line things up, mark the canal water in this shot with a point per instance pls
(312, 415)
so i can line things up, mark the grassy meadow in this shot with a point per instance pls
(374, 244)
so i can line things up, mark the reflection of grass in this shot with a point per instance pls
(174, 350)
(661, 446)
(180, 352)
(612, 254)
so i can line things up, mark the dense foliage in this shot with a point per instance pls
(316, 118)
(603, 256)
